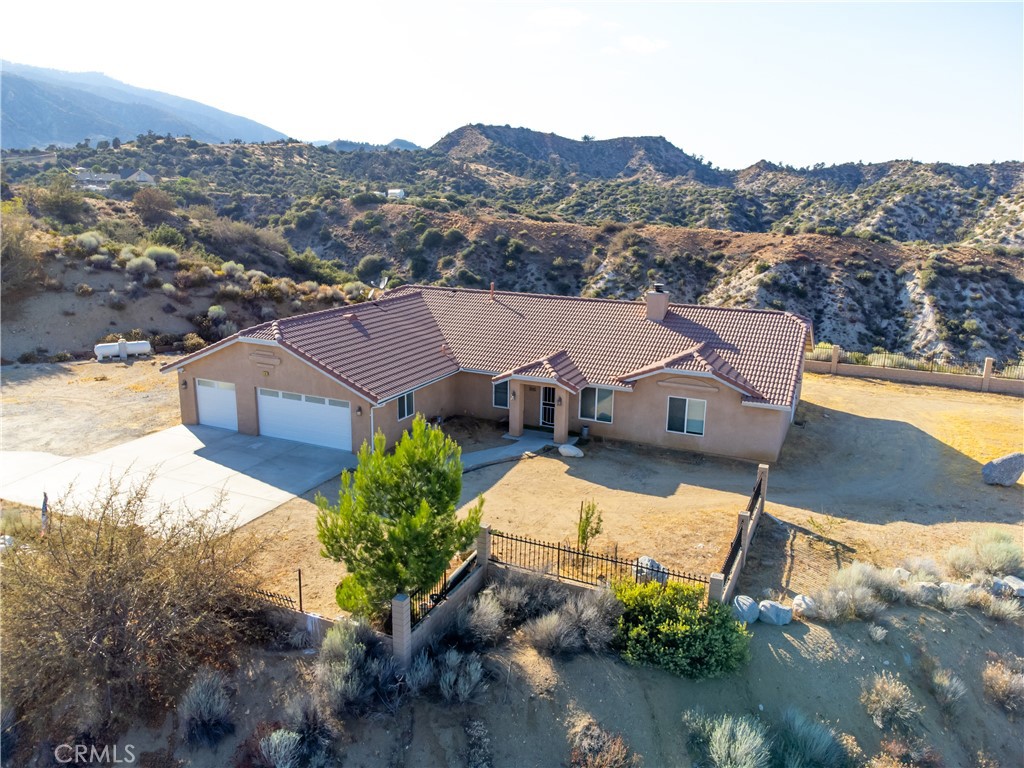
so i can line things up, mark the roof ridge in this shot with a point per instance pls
(321, 313)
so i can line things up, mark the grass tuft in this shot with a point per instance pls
(806, 742)
(206, 709)
(728, 741)
(889, 702)
(949, 691)
(991, 551)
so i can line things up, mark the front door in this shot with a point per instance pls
(547, 407)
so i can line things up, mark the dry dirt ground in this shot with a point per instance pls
(872, 470)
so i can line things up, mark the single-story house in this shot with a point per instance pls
(716, 380)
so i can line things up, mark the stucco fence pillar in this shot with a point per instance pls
(834, 363)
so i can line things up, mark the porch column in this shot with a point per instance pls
(561, 415)
(515, 408)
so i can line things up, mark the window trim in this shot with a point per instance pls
(596, 420)
(410, 406)
(686, 416)
(494, 391)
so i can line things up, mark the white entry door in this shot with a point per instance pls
(217, 406)
(305, 418)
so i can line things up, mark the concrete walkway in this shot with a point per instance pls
(190, 465)
(531, 441)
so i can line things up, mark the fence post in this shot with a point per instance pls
(483, 548)
(986, 374)
(401, 631)
(834, 365)
(762, 477)
(716, 588)
(744, 526)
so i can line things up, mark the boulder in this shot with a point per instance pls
(6, 542)
(1015, 585)
(1005, 470)
(999, 587)
(949, 587)
(927, 592)
(570, 450)
(775, 613)
(804, 605)
(901, 573)
(745, 609)
(648, 569)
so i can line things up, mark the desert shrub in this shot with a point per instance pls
(61, 357)
(991, 551)
(948, 689)
(431, 238)
(229, 292)
(883, 584)
(28, 358)
(164, 257)
(806, 743)
(922, 569)
(727, 741)
(193, 342)
(954, 599)
(903, 752)
(167, 235)
(460, 677)
(280, 748)
(554, 634)
(232, 269)
(1003, 609)
(88, 242)
(877, 633)
(169, 290)
(422, 674)
(837, 605)
(1003, 682)
(171, 585)
(99, 261)
(353, 672)
(485, 620)
(673, 627)
(140, 265)
(889, 702)
(116, 300)
(83, 289)
(367, 198)
(206, 709)
(369, 267)
(526, 595)
(594, 747)
(217, 313)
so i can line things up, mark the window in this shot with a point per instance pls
(500, 397)
(596, 404)
(686, 416)
(405, 406)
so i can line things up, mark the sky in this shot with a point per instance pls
(734, 82)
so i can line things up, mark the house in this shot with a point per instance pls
(396, 194)
(139, 177)
(710, 379)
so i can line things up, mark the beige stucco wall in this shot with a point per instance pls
(730, 429)
(639, 416)
(251, 366)
(908, 376)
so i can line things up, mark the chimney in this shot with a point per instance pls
(492, 290)
(657, 303)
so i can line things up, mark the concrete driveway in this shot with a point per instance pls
(190, 465)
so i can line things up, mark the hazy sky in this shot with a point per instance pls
(794, 83)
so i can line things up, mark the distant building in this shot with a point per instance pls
(396, 194)
(100, 182)
(140, 177)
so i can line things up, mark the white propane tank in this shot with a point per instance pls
(122, 349)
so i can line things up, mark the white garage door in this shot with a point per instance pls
(305, 418)
(217, 407)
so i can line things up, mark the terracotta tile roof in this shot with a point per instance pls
(417, 334)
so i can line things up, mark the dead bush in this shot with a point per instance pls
(889, 702)
(594, 747)
(121, 598)
(1003, 681)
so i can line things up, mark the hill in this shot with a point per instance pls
(341, 145)
(43, 107)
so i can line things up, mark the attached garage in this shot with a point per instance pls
(305, 418)
(217, 404)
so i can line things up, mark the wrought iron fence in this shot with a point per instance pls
(274, 598)
(575, 564)
(424, 601)
(1009, 369)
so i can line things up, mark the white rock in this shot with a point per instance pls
(1015, 584)
(949, 587)
(570, 450)
(901, 573)
(774, 612)
(804, 605)
(745, 609)
(648, 569)
(6, 542)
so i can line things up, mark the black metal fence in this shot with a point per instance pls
(274, 598)
(424, 601)
(737, 541)
(1007, 369)
(576, 565)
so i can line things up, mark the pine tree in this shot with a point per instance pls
(395, 525)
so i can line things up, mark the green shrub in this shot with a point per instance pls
(366, 198)
(167, 235)
(193, 342)
(453, 236)
(431, 238)
(370, 267)
(88, 242)
(673, 627)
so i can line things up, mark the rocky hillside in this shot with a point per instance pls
(77, 268)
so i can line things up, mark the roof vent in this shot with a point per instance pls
(492, 290)
(350, 316)
(657, 303)
(276, 331)
(445, 349)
